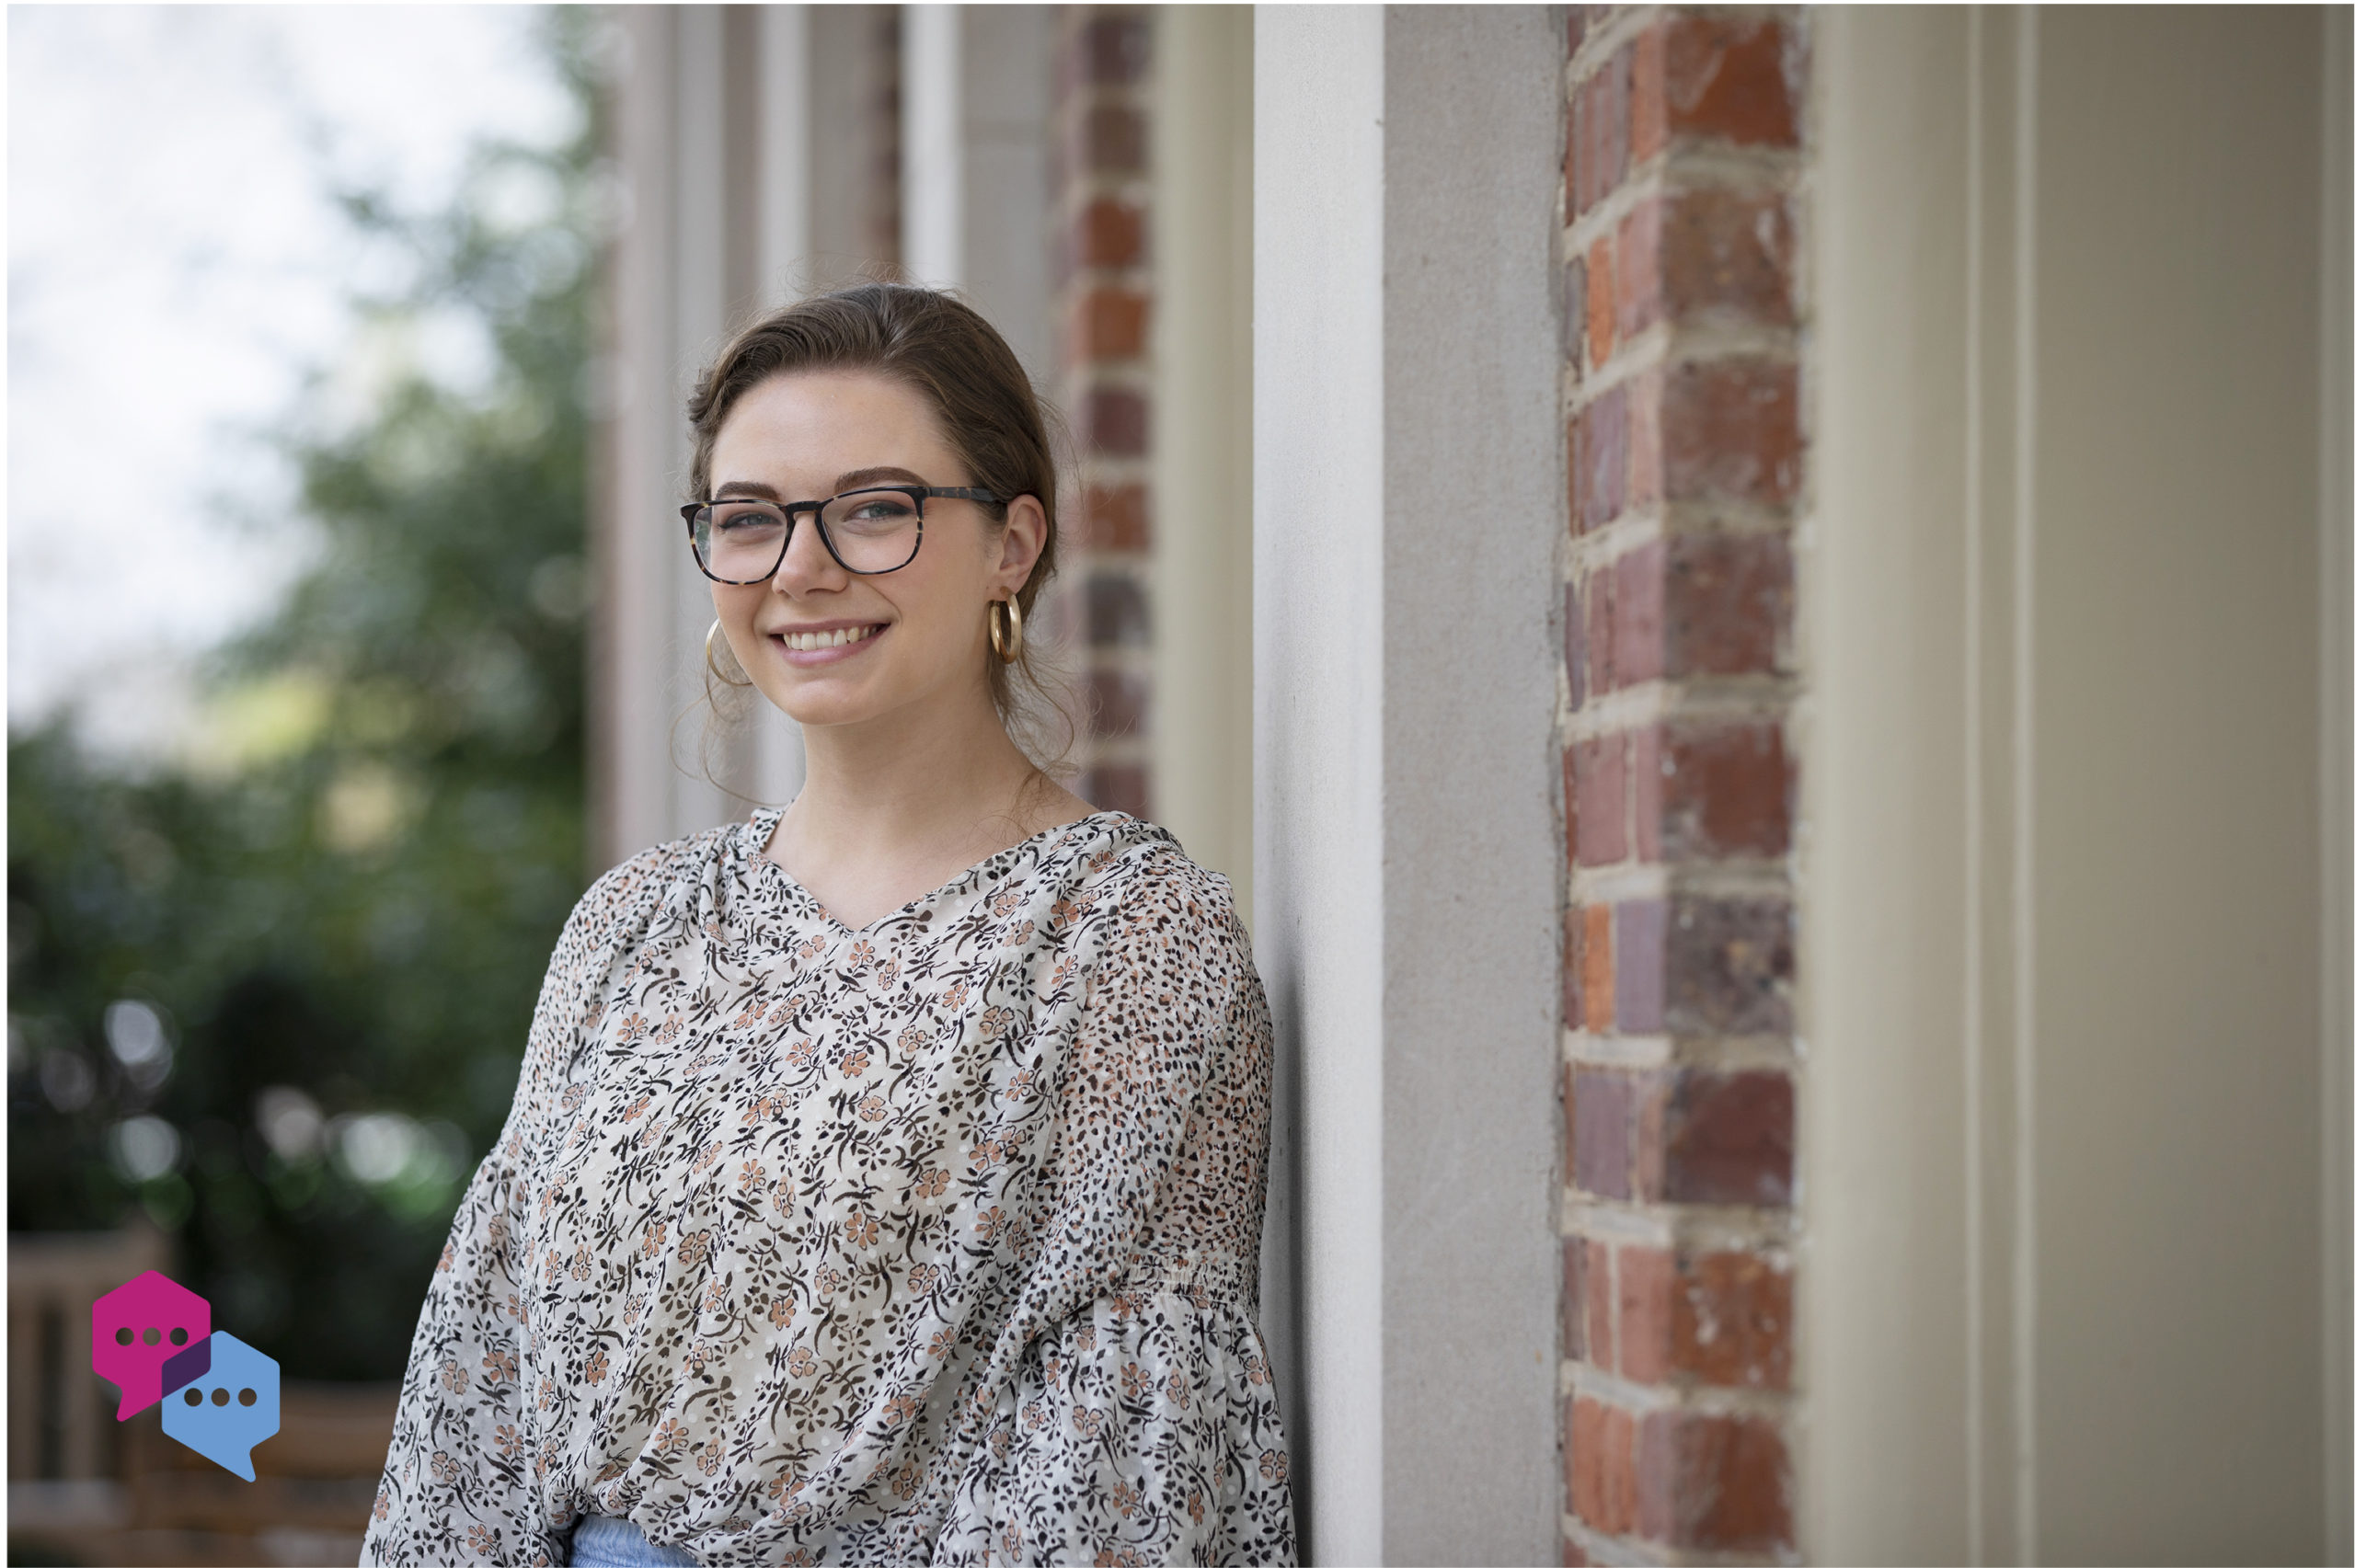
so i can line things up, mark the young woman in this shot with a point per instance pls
(885, 1176)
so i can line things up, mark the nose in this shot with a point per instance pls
(807, 566)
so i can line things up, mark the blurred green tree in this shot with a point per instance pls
(277, 996)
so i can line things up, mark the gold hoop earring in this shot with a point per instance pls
(714, 668)
(1013, 608)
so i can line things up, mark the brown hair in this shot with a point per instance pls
(994, 418)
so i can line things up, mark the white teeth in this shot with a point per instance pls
(808, 640)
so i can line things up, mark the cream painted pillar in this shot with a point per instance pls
(2076, 1168)
(1202, 447)
(1407, 846)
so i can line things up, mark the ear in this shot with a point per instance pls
(1019, 547)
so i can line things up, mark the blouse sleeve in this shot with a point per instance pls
(1142, 1426)
(458, 1482)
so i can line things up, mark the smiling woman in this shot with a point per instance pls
(886, 1175)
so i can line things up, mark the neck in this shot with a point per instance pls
(940, 773)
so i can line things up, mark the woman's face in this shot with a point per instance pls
(921, 633)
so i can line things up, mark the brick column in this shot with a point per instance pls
(1679, 1074)
(1104, 303)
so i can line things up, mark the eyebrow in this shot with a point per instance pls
(850, 481)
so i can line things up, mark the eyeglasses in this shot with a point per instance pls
(868, 532)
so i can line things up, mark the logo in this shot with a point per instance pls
(151, 1337)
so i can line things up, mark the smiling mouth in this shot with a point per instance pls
(810, 642)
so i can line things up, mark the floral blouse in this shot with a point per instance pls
(932, 1242)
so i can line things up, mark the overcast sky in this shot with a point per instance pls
(173, 267)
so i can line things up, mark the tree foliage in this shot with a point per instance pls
(346, 905)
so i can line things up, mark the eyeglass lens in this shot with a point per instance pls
(871, 531)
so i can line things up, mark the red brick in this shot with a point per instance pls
(1724, 256)
(1637, 294)
(1573, 1300)
(1601, 304)
(1113, 516)
(1112, 421)
(1599, 1004)
(1117, 699)
(1602, 1337)
(1618, 1517)
(1647, 1292)
(1644, 787)
(1639, 935)
(1598, 630)
(1110, 234)
(1573, 1556)
(1599, 133)
(1108, 324)
(1107, 139)
(1726, 1138)
(1118, 786)
(1735, 79)
(1637, 584)
(1728, 604)
(1574, 650)
(1117, 612)
(1731, 1323)
(1643, 440)
(1598, 457)
(1723, 790)
(1713, 1483)
(1728, 966)
(1647, 96)
(1586, 1458)
(1599, 777)
(1729, 429)
(1603, 1105)
(1574, 312)
(1114, 50)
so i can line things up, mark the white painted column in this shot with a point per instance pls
(1409, 500)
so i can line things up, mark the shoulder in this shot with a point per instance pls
(1171, 927)
(643, 882)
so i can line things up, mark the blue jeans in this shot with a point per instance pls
(601, 1540)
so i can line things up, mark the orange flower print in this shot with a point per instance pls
(872, 1108)
(633, 1029)
(597, 1368)
(669, 1030)
(580, 1262)
(753, 1174)
(954, 996)
(781, 1313)
(479, 1541)
(1034, 1415)
(715, 1295)
(654, 1239)
(608, 1471)
(1006, 903)
(635, 1311)
(801, 1363)
(449, 1252)
(829, 1281)
(932, 1184)
(854, 1064)
(445, 1468)
(1086, 1340)
(1125, 1498)
(889, 971)
(693, 1248)
(670, 1439)
(800, 1053)
(453, 1377)
(704, 1157)
(942, 1344)
(861, 952)
(1133, 1381)
(384, 1501)
(1018, 1087)
(811, 948)
(1179, 1391)
(638, 1108)
(1020, 933)
(1194, 1505)
(499, 1366)
(992, 1221)
(861, 1229)
(995, 1022)
(900, 1408)
(912, 1039)
(1255, 1368)
(920, 1277)
(1086, 1422)
(1271, 1465)
(1001, 1443)
(712, 1454)
(785, 1483)
(1011, 1539)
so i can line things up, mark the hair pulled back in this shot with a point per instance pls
(992, 415)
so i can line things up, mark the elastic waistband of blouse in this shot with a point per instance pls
(1208, 1276)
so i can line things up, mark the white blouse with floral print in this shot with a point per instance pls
(932, 1242)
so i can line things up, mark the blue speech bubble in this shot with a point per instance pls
(228, 1406)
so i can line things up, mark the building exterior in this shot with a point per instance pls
(1758, 602)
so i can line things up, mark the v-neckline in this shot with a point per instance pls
(761, 827)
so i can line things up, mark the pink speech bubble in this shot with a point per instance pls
(139, 1325)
